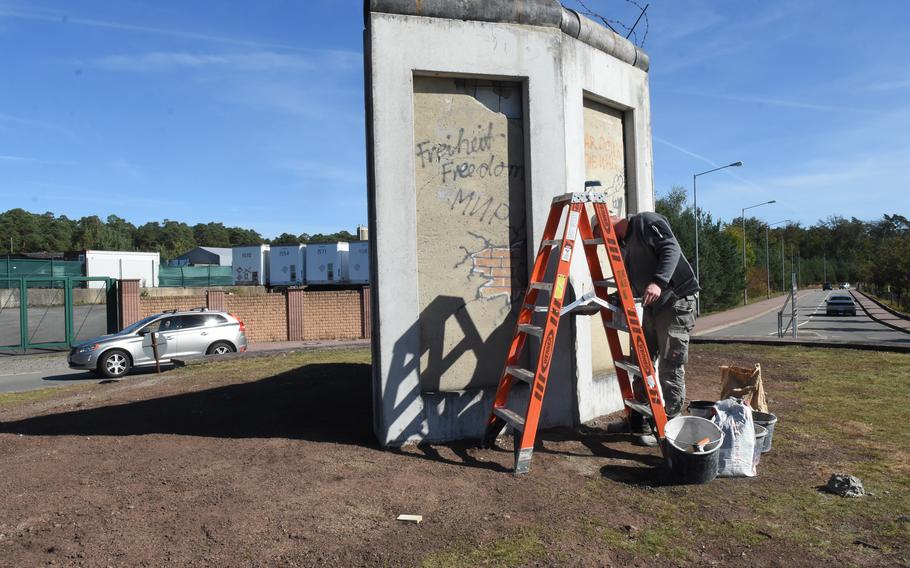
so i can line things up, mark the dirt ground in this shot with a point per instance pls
(272, 462)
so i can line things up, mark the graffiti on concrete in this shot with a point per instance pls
(471, 230)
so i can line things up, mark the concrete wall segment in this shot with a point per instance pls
(557, 72)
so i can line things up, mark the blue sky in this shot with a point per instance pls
(251, 113)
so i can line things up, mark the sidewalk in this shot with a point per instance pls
(880, 314)
(734, 316)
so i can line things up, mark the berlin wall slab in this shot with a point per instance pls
(478, 114)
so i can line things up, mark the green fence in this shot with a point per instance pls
(28, 268)
(194, 276)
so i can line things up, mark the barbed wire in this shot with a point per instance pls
(630, 31)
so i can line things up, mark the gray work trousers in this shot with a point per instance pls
(667, 331)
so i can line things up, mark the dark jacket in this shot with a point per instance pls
(652, 254)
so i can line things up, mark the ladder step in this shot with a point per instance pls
(551, 243)
(628, 366)
(531, 329)
(608, 283)
(597, 241)
(639, 407)
(538, 309)
(511, 417)
(547, 286)
(520, 373)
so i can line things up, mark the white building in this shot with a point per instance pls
(123, 265)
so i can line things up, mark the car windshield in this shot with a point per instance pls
(133, 328)
(840, 300)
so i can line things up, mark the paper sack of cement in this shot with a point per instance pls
(744, 383)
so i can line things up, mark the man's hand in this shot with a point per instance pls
(652, 293)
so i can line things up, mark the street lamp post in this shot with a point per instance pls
(745, 276)
(768, 255)
(695, 205)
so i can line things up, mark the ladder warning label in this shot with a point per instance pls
(573, 225)
(560, 287)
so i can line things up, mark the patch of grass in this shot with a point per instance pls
(517, 550)
(855, 403)
(258, 367)
(12, 398)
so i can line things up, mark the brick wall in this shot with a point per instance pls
(332, 314)
(314, 314)
(265, 316)
(149, 306)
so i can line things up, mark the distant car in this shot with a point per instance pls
(826, 286)
(845, 286)
(177, 334)
(840, 305)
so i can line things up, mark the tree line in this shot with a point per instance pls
(22, 231)
(875, 254)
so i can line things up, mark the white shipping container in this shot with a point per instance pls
(326, 263)
(359, 262)
(286, 265)
(123, 265)
(250, 265)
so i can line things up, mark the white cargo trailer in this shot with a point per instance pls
(250, 265)
(359, 262)
(286, 265)
(123, 265)
(326, 263)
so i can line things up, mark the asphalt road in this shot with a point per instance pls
(814, 324)
(29, 372)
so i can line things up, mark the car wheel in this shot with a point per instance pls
(220, 348)
(114, 364)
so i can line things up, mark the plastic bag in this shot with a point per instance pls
(736, 452)
(744, 383)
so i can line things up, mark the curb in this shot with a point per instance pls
(827, 344)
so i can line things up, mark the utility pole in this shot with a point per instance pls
(745, 270)
(767, 260)
(783, 282)
(825, 261)
(792, 264)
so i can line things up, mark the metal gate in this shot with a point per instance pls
(38, 312)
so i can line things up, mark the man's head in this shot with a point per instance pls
(620, 226)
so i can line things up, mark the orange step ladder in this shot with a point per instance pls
(570, 212)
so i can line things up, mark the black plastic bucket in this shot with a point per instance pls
(767, 420)
(702, 408)
(690, 463)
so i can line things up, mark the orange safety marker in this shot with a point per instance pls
(576, 233)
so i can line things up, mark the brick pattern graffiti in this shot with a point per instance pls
(501, 269)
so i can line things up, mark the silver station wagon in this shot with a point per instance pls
(177, 334)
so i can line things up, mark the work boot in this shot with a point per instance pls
(648, 438)
(642, 432)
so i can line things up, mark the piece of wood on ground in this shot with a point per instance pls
(410, 518)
